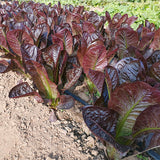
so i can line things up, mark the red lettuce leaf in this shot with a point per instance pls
(76, 28)
(76, 42)
(14, 43)
(41, 80)
(108, 17)
(126, 37)
(129, 100)
(23, 90)
(88, 27)
(16, 38)
(155, 45)
(95, 38)
(95, 19)
(145, 41)
(17, 66)
(82, 50)
(31, 52)
(120, 65)
(95, 58)
(102, 101)
(40, 34)
(155, 140)
(63, 61)
(4, 66)
(150, 26)
(102, 122)
(72, 17)
(72, 76)
(147, 121)
(118, 20)
(155, 56)
(155, 71)
(66, 102)
(78, 9)
(68, 42)
(131, 20)
(110, 81)
(140, 57)
(97, 78)
(51, 55)
(111, 78)
(20, 16)
(129, 73)
(3, 42)
(57, 41)
(111, 54)
(60, 32)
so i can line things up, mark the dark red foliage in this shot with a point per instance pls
(4, 66)
(56, 46)
(102, 122)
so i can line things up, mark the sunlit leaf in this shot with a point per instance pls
(129, 73)
(95, 58)
(72, 77)
(16, 38)
(111, 77)
(30, 52)
(51, 55)
(102, 122)
(41, 80)
(126, 37)
(129, 100)
(68, 42)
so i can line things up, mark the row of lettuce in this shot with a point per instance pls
(56, 46)
(144, 10)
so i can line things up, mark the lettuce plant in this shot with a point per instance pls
(37, 41)
(41, 42)
(126, 116)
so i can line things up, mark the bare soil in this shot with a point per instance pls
(27, 134)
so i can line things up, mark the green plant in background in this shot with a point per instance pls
(141, 157)
(144, 10)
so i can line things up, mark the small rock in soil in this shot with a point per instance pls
(94, 152)
(90, 141)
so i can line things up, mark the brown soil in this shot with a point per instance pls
(27, 134)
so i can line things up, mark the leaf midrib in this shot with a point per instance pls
(144, 130)
(121, 124)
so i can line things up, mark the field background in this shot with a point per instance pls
(143, 9)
